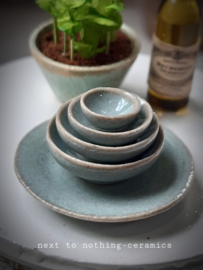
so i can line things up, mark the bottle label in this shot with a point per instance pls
(172, 69)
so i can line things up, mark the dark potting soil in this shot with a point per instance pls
(119, 50)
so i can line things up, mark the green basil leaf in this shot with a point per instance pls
(60, 8)
(79, 13)
(117, 1)
(74, 3)
(117, 18)
(92, 34)
(65, 16)
(117, 7)
(95, 3)
(69, 27)
(101, 20)
(64, 19)
(84, 49)
(100, 6)
(46, 5)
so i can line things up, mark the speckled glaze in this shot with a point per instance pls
(69, 81)
(154, 191)
(101, 173)
(99, 152)
(125, 136)
(110, 108)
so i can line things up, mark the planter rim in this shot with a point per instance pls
(129, 31)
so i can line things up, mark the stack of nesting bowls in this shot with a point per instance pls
(105, 135)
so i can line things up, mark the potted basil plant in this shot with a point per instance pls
(84, 46)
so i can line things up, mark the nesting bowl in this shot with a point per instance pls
(109, 108)
(102, 156)
(125, 136)
(101, 153)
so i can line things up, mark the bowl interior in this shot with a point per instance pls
(109, 104)
(57, 141)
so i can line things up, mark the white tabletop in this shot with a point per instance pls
(25, 101)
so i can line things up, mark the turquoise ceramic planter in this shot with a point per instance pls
(69, 81)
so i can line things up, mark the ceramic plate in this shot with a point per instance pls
(152, 192)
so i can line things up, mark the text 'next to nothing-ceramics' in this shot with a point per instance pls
(100, 245)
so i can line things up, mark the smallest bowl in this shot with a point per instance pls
(110, 108)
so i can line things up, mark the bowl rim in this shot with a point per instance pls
(98, 166)
(129, 31)
(108, 134)
(131, 98)
(101, 148)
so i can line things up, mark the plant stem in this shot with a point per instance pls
(82, 34)
(108, 40)
(72, 49)
(113, 36)
(55, 30)
(64, 43)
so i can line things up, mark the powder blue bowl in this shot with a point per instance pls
(110, 108)
(101, 153)
(108, 138)
(97, 172)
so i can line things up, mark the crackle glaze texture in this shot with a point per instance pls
(125, 136)
(110, 108)
(99, 152)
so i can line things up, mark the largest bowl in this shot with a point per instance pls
(69, 81)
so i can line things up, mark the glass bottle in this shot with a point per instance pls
(175, 47)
